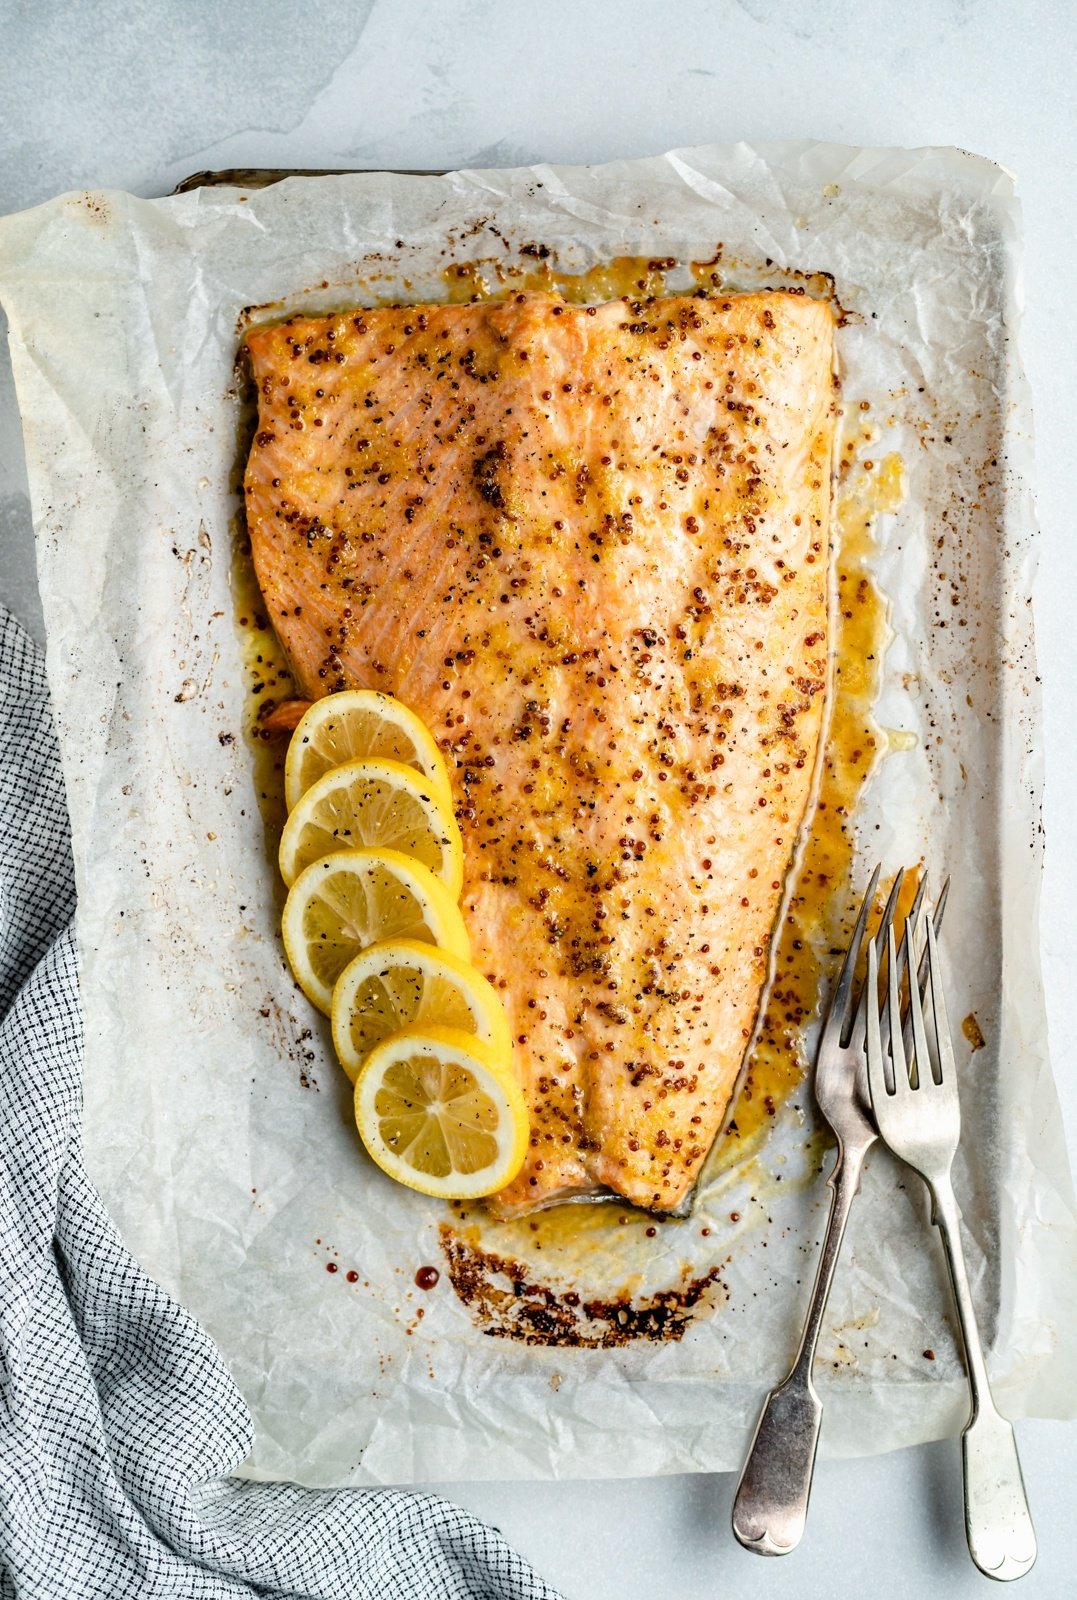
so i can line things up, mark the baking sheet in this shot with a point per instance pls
(216, 1126)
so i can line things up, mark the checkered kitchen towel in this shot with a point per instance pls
(118, 1421)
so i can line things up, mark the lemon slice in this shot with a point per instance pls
(355, 725)
(440, 1111)
(401, 983)
(354, 898)
(379, 805)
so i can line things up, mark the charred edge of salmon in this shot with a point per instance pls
(520, 1307)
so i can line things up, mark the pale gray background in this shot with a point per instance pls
(139, 93)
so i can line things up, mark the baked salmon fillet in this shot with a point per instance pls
(589, 546)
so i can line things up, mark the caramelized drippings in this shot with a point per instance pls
(506, 1298)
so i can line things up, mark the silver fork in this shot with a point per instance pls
(919, 1117)
(771, 1503)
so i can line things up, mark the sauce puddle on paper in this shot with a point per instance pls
(267, 682)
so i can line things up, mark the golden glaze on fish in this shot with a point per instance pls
(589, 546)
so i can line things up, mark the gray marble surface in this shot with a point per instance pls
(139, 94)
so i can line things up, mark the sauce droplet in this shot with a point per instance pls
(973, 1032)
(330, 1266)
(426, 1277)
(352, 1277)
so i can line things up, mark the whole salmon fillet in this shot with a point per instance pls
(589, 546)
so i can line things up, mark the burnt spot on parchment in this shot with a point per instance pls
(507, 1301)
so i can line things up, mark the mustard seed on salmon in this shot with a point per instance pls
(589, 547)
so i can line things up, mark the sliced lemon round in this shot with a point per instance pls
(355, 725)
(354, 898)
(441, 1111)
(379, 805)
(402, 983)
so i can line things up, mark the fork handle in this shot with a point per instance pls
(998, 1525)
(771, 1503)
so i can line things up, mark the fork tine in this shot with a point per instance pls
(921, 1057)
(893, 998)
(944, 1049)
(837, 1017)
(914, 913)
(890, 907)
(880, 933)
(879, 1089)
(873, 1041)
(922, 969)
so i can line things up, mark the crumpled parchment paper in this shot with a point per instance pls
(235, 1184)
